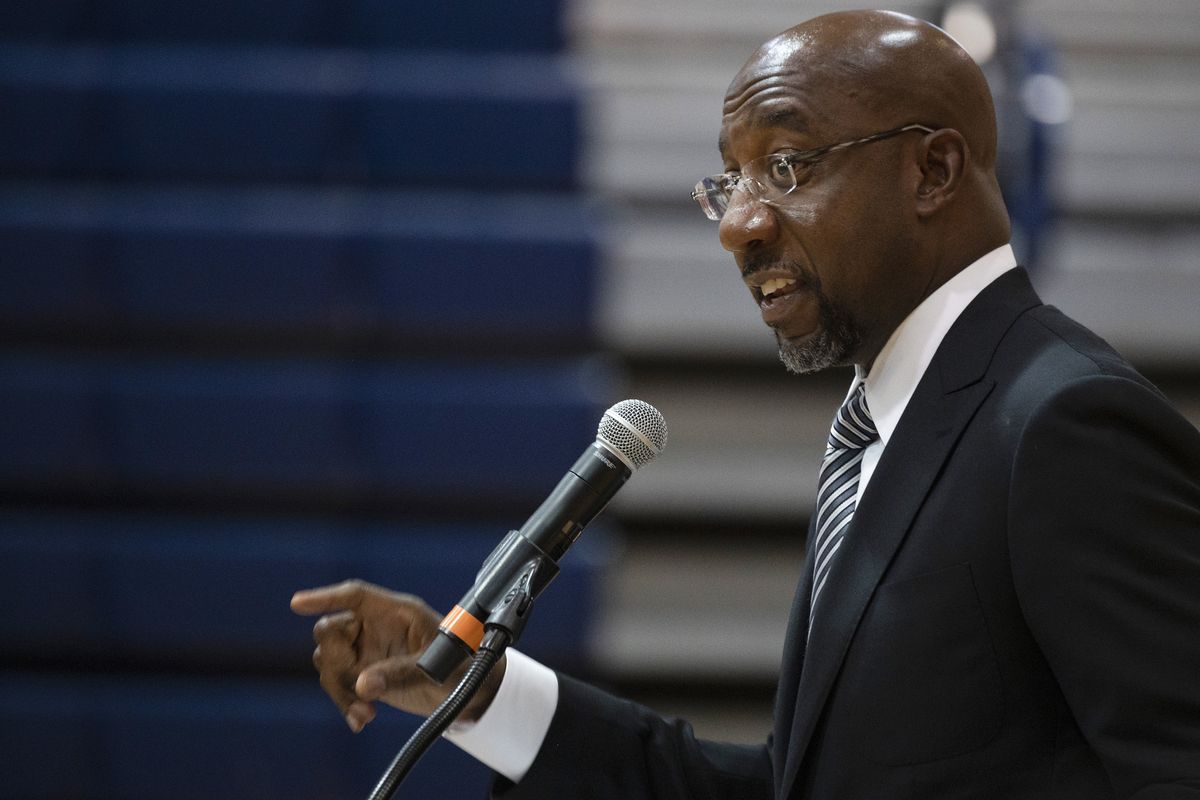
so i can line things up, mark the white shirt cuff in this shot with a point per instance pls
(509, 734)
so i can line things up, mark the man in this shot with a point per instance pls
(1003, 588)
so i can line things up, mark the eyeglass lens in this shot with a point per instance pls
(713, 197)
(766, 178)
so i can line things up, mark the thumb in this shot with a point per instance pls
(372, 682)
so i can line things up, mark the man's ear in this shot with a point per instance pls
(942, 158)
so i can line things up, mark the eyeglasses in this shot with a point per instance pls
(770, 177)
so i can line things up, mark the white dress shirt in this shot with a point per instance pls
(510, 733)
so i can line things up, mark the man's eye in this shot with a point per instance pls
(801, 169)
(781, 174)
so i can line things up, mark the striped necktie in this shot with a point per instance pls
(837, 485)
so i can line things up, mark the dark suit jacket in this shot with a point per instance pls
(1015, 612)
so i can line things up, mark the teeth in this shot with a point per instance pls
(774, 285)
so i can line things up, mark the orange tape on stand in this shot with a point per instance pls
(463, 625)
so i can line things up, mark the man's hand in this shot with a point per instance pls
(368, 643)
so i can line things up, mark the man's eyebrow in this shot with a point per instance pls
(776, 117)
(782, 118)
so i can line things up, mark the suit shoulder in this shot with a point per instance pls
(1045, 351)
(1046, 361)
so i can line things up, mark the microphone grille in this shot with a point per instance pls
(635, 431)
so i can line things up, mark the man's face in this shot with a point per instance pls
(820, 262)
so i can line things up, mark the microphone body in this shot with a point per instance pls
(529, 556)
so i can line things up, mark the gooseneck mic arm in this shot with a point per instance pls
(503, 628)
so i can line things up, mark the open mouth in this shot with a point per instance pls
(783, 299)
(774, 289)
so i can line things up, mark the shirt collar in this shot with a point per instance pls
(899, 366)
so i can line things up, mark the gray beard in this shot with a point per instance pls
(820, 352)
(834, 345)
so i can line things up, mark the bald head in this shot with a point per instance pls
(884, 128)
(895, 68)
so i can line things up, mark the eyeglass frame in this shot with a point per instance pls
(700, 191)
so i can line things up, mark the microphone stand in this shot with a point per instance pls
(503, 628)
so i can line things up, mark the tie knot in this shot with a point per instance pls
(853, 428)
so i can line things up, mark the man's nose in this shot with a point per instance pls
(747, 222)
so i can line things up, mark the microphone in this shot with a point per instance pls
(630, 435)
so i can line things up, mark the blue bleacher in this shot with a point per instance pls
(480, 25)
(208, 592)
(427, 431)
(483, 122)
(147, 737)
(213, 591)
(294, 292)
(428, 268)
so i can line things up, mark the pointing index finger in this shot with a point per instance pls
(344, 596)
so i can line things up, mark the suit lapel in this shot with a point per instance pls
(794, 646)
(947, 397)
